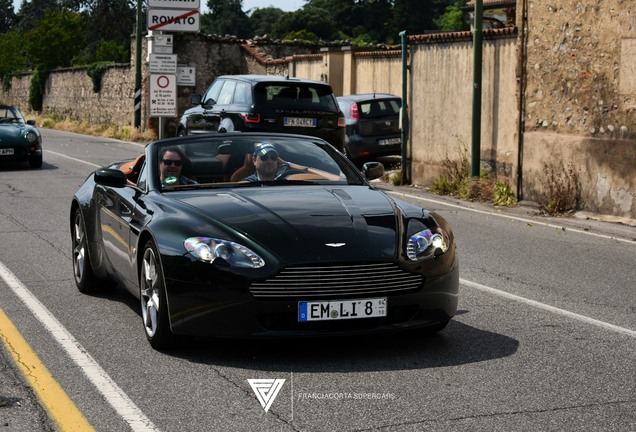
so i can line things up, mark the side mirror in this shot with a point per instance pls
(31, 122)
(373, 170)
(110, 177)
(196, 99)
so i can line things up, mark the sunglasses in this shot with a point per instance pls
(270, 155)
(171, 162)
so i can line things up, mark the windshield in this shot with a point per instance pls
(251, 160)
(9, 114)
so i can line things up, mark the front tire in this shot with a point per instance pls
(35, 162)
(85, 277)
(154, 306)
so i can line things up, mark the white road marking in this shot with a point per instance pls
(555, 310)
(517, 218)
(74, 159)
(115, 396)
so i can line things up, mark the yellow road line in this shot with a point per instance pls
(56, 402)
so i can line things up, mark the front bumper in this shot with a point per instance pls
(22, 153)
(359, 146)
(204, 301)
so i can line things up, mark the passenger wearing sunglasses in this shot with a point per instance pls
(170, 166)
(265, 161)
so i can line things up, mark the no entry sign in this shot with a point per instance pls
(178, 20)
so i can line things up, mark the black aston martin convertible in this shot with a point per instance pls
(260, 235)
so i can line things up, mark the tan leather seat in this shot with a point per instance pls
(131, 169)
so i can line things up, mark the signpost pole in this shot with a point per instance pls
(477, 66)
(137, 122)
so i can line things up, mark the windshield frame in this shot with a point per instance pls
(211, 160)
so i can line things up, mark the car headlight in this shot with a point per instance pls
(427, 244)
(31, 137)
(211, 249)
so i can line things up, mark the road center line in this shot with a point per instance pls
(552, 309)
(517, 218)
(115, 396)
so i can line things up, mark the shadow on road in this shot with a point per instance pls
(456, 345)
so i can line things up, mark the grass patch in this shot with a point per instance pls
(561, 191)
(456, 181)
(124, 133)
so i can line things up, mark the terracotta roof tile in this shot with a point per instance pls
(464, 35)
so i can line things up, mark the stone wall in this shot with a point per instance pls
(580, 100)
(69, 93)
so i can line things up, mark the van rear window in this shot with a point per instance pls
(300, 96)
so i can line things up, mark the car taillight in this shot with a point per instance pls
(252, 118)
(354, 113)
(342, 122)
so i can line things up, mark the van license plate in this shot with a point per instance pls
(342, 309)
(6, 152)
(299, 122)
(389, 141)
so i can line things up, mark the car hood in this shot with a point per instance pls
(309, 223)
(11, 132)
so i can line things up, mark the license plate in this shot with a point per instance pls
(342, 309)
(6, 151)
(389, 141)
(299, 122)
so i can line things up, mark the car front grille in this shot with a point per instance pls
(337, 281)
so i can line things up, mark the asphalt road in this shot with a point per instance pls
(545, 339)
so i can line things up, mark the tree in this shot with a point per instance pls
(414, 16)
(102, 38)
(31, 12)
(55, 40)
(312, 19)
(112, 20)
(452, 19)
(262, 20)
(226, 17)
(11, 58)
(8, 18)
(368, 21)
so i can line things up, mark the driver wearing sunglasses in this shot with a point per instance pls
(265, 161)
(170, 166)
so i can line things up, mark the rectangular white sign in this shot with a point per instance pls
(163, 96)
(160, 44)
(163, 64)
(179, 20)
(175, 4)
(186, 76)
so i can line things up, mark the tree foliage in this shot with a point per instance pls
(8, 17)
(226, 17)
(55, 40)
(262, 20)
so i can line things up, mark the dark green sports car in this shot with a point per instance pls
(20, 140)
